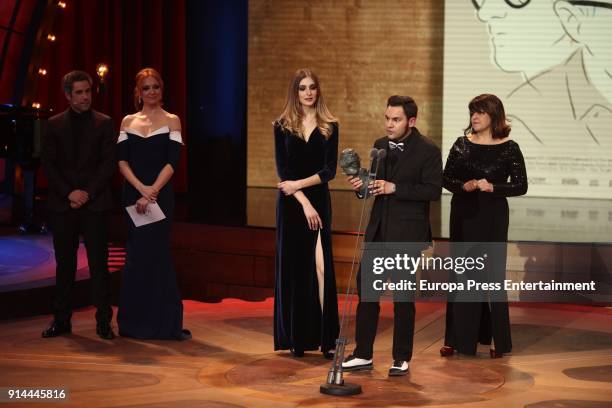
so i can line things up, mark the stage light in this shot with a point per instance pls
(51, 37)
(101, 71)
(42, 71)
(61, 4)
(36, 105)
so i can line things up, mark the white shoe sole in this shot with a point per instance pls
(360, 367)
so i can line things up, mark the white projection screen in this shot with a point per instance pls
(550, 62)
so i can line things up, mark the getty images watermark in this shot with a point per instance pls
(467, 272)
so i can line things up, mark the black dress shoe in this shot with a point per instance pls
(399, 367)
(104, 331)
(297, 352)
(57, 328)
(329, 354)
(185, 335)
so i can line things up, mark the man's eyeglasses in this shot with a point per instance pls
(517, 4)
(512, 3)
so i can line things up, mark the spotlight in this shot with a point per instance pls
(101, 70)
(61, 4)
(51, 37)
(42, 71)
(36, 105)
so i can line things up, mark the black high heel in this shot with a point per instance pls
(185, 335)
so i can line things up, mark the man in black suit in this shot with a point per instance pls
(409, 177)
(79, 159)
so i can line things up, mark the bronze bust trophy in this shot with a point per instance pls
(351, 166)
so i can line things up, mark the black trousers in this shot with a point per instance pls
(470, 323)
(66, 227)
(367, 323)
(481, 316)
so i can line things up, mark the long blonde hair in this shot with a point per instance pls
(291, 118)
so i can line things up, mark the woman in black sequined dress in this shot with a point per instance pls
(483, 168)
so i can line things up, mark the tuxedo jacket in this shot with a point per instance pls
(417, 173)
(88, 165)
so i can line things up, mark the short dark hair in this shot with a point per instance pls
(491, 104)
(75, 76)
(406, 102)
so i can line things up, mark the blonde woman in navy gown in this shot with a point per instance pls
(149, 147)
(306, 143)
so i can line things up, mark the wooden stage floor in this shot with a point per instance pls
(562, 358)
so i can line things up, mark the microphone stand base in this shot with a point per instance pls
(343, 390)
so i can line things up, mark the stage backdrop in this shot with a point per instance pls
(362, 51)
(543, 59)
(546, 61)
(443, 53)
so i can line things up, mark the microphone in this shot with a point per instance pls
(377, 153)
(335, 384)
(376, 156)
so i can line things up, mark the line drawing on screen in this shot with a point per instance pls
(566, 65)
(550, 61)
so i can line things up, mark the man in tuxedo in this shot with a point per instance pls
(79, 159)
(409, 177)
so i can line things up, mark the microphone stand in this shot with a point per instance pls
(335, 384)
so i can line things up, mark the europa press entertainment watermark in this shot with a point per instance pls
(462, 272)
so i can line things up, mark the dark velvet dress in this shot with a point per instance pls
(150, 304)
(298, 321)
(482, 217)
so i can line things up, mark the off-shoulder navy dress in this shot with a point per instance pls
(150, 303)
(298, 321)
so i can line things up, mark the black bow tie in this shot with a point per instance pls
(399, 146)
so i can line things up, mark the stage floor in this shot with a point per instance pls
(562, 358)
(28, 261)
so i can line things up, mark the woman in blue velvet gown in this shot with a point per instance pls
(306, 147)
(149, 147)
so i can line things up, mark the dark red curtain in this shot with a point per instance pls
(127, 35)
(13, 35)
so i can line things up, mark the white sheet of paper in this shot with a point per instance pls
(154, 213)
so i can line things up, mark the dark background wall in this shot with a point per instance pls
(217, 108)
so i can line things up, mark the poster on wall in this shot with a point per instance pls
(550, 62)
